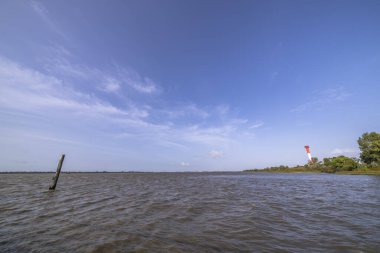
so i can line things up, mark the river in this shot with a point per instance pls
(190, 212)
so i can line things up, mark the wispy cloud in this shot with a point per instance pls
(136, 81)
(30, 90)
(184, 164)
(220, 135)
(223, 110)
(123, 120)
(44, 14)
(322, 99)
(63, 63)
(257, 125)
(345, 151)
(62, 66)
(39, 8)
(110, 85)
(186, 111)
(216, 153)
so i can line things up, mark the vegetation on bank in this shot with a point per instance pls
(367, 164)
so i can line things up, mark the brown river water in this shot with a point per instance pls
(190, 212)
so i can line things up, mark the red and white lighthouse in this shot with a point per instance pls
(308, 153)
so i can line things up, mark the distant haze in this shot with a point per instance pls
(185, 85)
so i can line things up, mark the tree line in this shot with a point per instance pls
(369, 145)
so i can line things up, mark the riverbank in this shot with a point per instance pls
(304, 169)
(364, 171)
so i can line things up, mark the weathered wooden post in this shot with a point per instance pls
(55, 178)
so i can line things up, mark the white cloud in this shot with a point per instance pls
(256, 125)
(216, 153)
(110, 85)
(322, 99)
(344, 151)
(144, 85)
(223, 110)
(43, 13)
(188, 110)
(29, 90)
(61, 64)
(127, 122)
(219, 136)
(39, 8)
(195, 110)
(136, 81)
(185, 164)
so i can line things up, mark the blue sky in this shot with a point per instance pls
(185, 85)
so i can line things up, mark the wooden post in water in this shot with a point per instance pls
(55, 178)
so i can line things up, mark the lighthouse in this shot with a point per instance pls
(308, 153)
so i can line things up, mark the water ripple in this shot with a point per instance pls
(189, 212)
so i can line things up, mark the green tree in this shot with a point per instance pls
(369, 144)
(339, 163)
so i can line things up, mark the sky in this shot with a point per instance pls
(185, 85)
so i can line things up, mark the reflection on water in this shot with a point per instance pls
(190, 212)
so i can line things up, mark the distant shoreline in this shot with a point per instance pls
(374, 171)
(366, 171)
